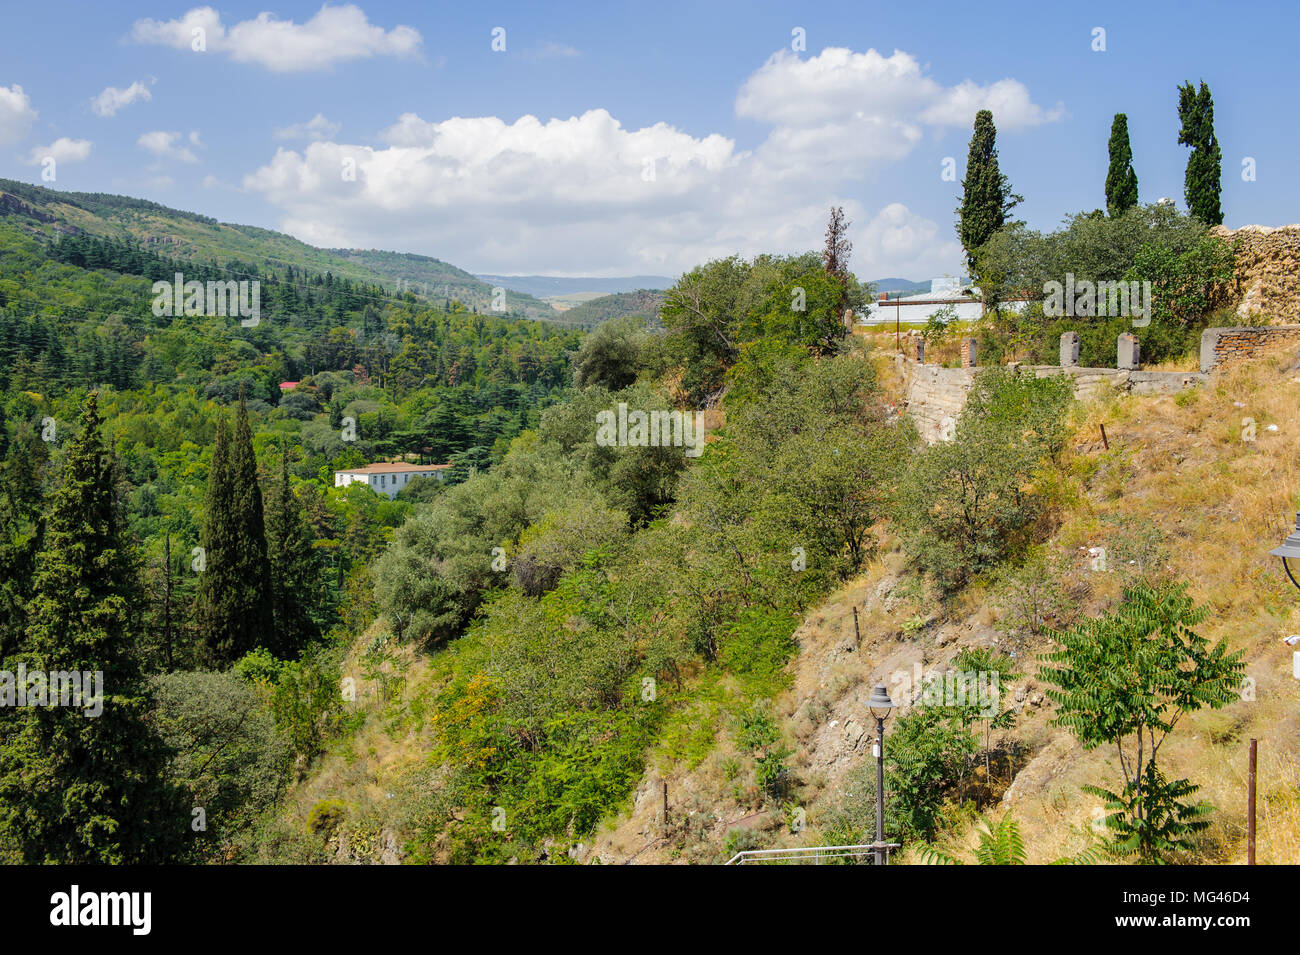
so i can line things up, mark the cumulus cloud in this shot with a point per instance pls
(113, 99)
(16, 114)
(333, 35)
(589, 194)
(167, 145)
(61, 150)
(314, 130)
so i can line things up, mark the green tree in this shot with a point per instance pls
(1201, 183)
(295, 571)
(835, 259)
(1125, 679)
(21, 528)
(987, 198)
(611, 355)
(970, 503)
(234, 587)
(1121, 180)
(84, 783)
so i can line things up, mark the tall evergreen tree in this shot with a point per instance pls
(234, 587)
(295, 575)
(1121, 180)
(22, 523)
(76, 785)
(1201, 183)
(987, 198)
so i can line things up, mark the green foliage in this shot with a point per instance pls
(1121, 180)
(77, 787)
(1186, 286)
(715, 309)
(307, 703)
(1126, 679)
(926, 754)
(234, 597)
(971, 502)
(1002, 844)
(759, 735)
(295, 573)
(611, 356)
(987, 198)
(1201, 183)
(228, 755)
(1033, 591)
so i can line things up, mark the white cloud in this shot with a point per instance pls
(61, 150)
(897, 242)
(314, 130)
(16, 114)
(333, 35)
(165, 145)
(577, 194)
(113, 99)
(1008, 100)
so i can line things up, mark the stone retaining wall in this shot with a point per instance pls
(1221, 346)
(1267, 271)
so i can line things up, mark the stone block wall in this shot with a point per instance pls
(1220, 346)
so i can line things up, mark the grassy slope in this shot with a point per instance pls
(1177, 464)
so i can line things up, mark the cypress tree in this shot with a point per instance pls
(234, 588)
(1201, 183)
(84, 783)
(294, 571)
(1121, 180)
(987, 198)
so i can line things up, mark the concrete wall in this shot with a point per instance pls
(1221, 346)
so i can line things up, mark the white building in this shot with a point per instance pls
(388, 479)
(916, 309)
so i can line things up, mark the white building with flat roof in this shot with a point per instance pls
(945, 292)
(386, 478)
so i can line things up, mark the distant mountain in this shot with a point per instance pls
(905, 286)
(641, 302)
(437, 280)
(546, 286)
(199, 238)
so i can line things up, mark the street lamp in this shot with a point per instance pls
(1290, 548)
(880, 705)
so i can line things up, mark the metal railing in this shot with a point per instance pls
(813, 855)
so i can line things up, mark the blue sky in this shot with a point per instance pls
(662, 133)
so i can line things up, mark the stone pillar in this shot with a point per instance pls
(968, 357)
(1070, 350)
(1129, 354)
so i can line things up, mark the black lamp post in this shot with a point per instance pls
(880, 705)
(1290, 548)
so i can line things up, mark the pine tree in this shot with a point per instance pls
(1121, 180)
(295, 575)
(987, 198)
(234, 587)
(76, 785)
(835, 258)
(22, 522)
(1201, 183)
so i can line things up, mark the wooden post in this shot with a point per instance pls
(1250, 832)
(1103, 437)
(665, 802)
(857, 634)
